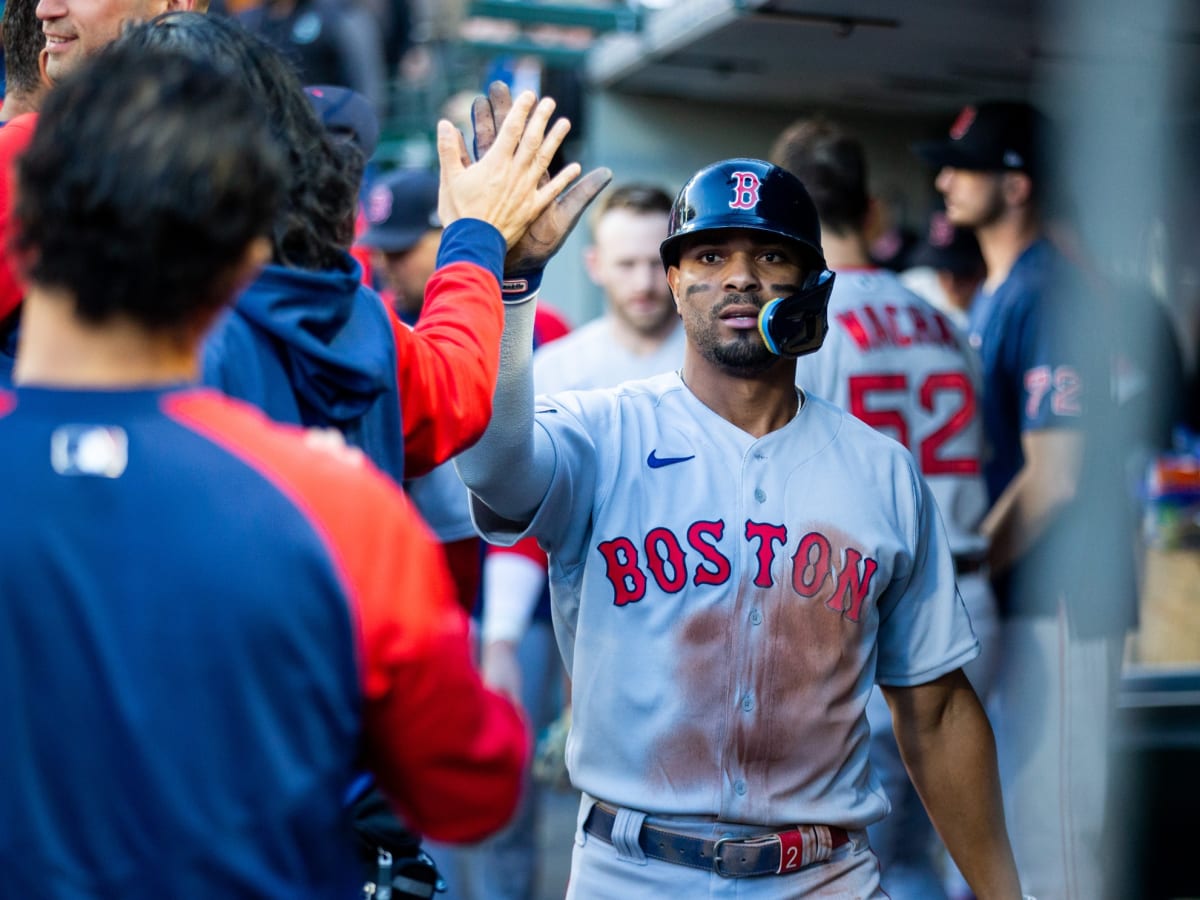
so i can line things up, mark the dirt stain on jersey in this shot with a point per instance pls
(800, 663)
(805, 677)
(687, 755)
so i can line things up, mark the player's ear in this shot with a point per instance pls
(673, 283)
(46, 80)
(591, 263)
(1018, 188)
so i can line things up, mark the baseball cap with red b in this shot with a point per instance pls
(400, 207)
(996, 136)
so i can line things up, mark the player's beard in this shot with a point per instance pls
(647, 323)
(745, 355)
(989, 210)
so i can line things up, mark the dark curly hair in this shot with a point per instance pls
(146, 180)
(23, 41)
(316, 225)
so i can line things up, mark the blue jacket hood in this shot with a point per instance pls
(326, 328)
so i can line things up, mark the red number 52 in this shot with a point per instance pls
(930, 456)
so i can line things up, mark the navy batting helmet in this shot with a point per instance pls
(756, 195)
(744, 193)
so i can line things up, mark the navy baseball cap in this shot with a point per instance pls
(996, 136)
(347, 114)
(400, 207)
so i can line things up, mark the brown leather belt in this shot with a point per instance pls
(776, 853)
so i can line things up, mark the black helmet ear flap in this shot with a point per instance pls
(795, 325)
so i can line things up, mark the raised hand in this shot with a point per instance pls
(508, 186)
(545, 235)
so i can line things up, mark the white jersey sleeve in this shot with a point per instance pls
(914, 621)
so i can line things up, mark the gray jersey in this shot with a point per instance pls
(902, 367)
(739, 602)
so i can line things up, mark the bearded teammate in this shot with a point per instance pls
(733, 564)
(639, 333)
(899, 365)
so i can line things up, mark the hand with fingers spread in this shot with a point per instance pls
(546, 234)
(507, 187)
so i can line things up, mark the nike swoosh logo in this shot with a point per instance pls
(657, 462)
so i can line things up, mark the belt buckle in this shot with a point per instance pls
(716, 863)
(717, 856)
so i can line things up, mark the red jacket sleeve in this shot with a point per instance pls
(14, 138)
(361, 254)
(447, 365)
(446, 750)
(449, 752)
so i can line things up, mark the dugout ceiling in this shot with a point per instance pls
(899, 56)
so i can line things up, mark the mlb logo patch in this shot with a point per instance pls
(89, 450)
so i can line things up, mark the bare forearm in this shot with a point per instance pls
(1018, 519)
(1037, 494)
(951, 758)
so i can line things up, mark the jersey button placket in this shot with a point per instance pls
(748, 642)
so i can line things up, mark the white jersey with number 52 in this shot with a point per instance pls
(901, 366)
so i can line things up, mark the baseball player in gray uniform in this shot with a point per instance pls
(734, 564)
(898, 364)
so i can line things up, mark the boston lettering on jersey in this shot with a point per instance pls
(899, 326)
(845, 577)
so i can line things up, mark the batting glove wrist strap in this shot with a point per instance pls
(518, 287)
